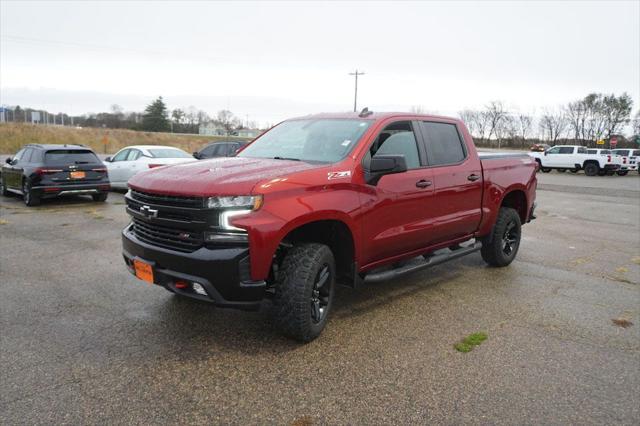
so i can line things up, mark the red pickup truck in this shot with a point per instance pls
(324, 199)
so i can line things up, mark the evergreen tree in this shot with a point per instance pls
(155, 117)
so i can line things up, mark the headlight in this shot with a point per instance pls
(242, 202)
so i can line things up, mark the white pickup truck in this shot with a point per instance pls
(574, 158)
(611, 158)
(629, 159)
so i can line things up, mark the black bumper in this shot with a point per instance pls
(223, 272)
(612, 167)
(50, 191)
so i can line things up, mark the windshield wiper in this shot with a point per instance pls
(286, 158)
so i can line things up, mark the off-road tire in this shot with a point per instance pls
(493, 246)
(591, 169)
(3, 188)
(100, 197)
(622, 172)
(28, 197)
(292, 302)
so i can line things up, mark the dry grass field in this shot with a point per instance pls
(15, 135)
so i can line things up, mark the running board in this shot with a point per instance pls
(429, 260)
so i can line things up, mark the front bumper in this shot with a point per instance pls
(222, 272)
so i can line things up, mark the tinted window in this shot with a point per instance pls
(168, 153)
(582, 150)
(396, 139)
(604, 152)
(18, 155)
(592, 151)
(566, 150)
(61, 157)
(208, 151)
(121, 156)
(554, 150)
(636, 153)
(444, 145)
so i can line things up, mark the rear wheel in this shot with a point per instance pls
(29, 198)
(501, 247)
(622, 172)
(100, 197)
(591, 169)
(304, 291)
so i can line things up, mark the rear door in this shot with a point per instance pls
(116, 172)
(457, 179)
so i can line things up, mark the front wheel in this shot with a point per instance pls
(501, 247)
(622, 172)
(304, 291)
(29, 198)
(3, 188)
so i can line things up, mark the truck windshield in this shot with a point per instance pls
(313, 140)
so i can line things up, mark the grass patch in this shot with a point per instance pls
(471, 341)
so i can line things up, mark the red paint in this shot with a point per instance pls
(388, 222)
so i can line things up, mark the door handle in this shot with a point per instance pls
(423, 183)
(473, 177)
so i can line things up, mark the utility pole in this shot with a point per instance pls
(355, 98)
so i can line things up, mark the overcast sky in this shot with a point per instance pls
(274, 60)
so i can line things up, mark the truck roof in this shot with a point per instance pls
(371, 116)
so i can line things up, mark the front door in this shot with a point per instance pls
(395, 219)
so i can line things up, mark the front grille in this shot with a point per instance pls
(168, 200)
(171, 238)
(183, 215)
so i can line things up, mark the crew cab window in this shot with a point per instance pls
(396, 139)
(121, 156)
(554, 150)
(636, 153)
(566, 150)
(592, 151)
(582, 150)
(208, 151)
(444, 145)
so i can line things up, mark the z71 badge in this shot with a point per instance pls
(338, 175)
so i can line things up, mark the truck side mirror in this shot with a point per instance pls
(196, 155)
(385, 165)
(108, 159)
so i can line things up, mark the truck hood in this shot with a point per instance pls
(217, 176)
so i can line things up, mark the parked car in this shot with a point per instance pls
(629, 157)
(325, 199)
(134, 159)
(41, 171)
(539, 147)
(574, 158)
(220, 149)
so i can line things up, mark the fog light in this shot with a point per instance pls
(198, 289)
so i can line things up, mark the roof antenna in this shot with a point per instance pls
(365, 112)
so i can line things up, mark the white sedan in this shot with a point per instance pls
(134, 159)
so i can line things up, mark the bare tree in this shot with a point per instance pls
(226, 119)
(417, 109)
(616, 111)
(525, 122)
(477, 123)
(553, 125)
(508, 128)
(495, 113)
(635, 124)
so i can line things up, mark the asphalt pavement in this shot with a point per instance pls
(82, 341)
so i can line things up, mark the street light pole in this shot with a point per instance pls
(355, 98)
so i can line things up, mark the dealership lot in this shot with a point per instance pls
(83, 341)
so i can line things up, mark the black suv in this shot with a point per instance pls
(220, 149)
(46, 171)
